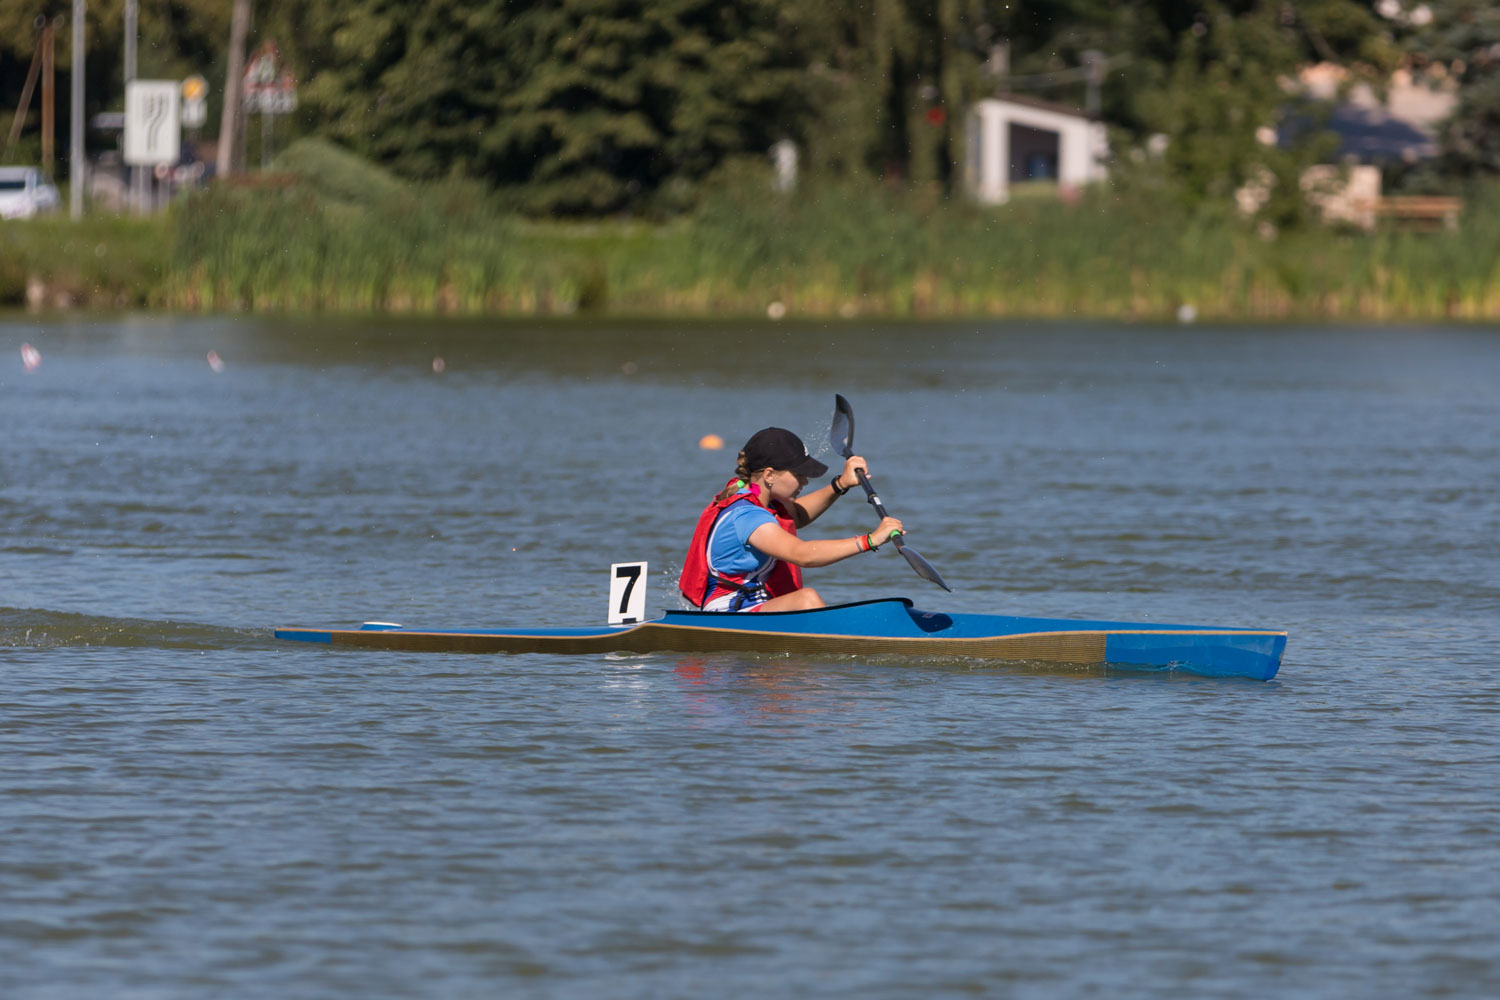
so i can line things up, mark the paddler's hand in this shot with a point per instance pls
(849, 478)
(888, 529)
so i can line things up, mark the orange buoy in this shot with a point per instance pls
(710, 442)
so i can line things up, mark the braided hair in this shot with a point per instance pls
(741, 478)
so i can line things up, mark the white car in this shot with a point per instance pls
(26, 191)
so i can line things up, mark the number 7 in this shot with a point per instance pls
(634, 573)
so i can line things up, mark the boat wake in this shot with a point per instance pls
(28, 628)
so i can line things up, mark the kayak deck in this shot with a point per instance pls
(887, 626)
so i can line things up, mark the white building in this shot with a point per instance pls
(1011, 140)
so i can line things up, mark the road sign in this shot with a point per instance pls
(194, 110)
(263, 68)
(268, 88)
(194, 88)
(278, 100)
(153, 130)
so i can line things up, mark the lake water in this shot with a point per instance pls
(189, 808)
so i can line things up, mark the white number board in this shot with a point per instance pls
(153, 129)
(627, 593)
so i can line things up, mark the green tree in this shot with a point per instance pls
(593, 106)
(618, 97)
(888, 83)
(1211, 77)
(579, 106)
(1461, 38)
(1205, 73)
(1147, 44)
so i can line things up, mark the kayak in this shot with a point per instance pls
(891, 626)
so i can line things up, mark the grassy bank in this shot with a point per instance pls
(104, 262)
(330, 233)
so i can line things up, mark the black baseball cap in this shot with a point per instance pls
(779, 448)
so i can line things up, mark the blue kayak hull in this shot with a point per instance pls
(884, 627)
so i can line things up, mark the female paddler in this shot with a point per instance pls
(746, 555)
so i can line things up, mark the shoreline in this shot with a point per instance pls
(93, 311)
(293, 253)
(68, 299)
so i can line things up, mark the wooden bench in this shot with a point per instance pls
(1427, 211)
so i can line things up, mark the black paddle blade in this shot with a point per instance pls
(841, 432)
(924, 568)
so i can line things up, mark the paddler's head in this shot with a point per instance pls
(778, 460)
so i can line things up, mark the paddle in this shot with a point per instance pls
(841, 436)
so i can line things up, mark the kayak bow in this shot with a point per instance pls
(891, 626)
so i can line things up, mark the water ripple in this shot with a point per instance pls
(189, 808)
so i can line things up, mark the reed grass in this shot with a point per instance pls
(334, 234)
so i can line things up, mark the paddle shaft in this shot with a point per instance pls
(875, 502)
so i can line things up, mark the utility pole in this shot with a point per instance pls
(75, 126)
(49, 34)
(24, 107)
(137, 178)
(132, 16)
(1093, 63)
(950, 87)
(229, 123)
(998, 65)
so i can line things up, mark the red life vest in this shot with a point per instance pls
(700, 586)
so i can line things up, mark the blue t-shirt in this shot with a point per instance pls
(729, 548)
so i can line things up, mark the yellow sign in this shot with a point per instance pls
(194, 88)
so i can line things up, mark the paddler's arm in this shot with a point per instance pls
(770, 539)
(807, 509)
